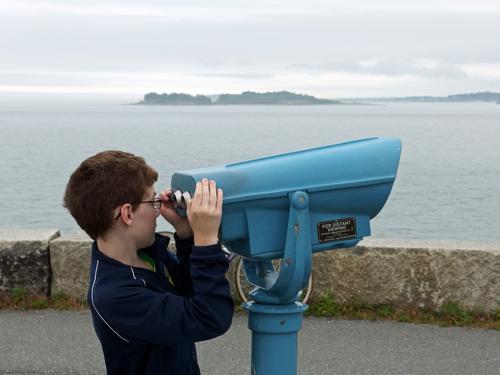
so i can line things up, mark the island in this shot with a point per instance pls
(245, 98)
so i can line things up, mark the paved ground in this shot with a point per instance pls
(52, 342)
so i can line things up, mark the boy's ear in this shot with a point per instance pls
(126, 214)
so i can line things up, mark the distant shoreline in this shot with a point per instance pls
(286, 98)
(478, 97)
(255, 104)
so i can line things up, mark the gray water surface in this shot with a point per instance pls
(448, 183)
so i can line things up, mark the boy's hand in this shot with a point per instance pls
(167, 210)
(204, 212)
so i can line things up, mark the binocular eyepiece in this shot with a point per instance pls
(179, 199)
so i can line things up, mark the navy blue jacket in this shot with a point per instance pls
(145, 324)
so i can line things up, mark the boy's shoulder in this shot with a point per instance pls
(108, 274)
(159, 246)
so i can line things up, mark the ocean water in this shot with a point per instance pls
(448, 183)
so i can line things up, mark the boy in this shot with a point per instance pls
(149, 306)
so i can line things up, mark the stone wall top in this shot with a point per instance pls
(430, 244)
(74, 237)
(17, 235)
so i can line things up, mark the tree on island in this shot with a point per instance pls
(278, 97)
(174, 98)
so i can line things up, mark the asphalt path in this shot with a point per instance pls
(62, 342)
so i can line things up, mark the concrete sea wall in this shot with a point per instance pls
(25, 259)
(413, 274)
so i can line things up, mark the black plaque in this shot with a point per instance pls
(339, 229)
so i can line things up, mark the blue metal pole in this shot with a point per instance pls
(275, 316)
(274, 337)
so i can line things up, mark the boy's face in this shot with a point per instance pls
(145, 220)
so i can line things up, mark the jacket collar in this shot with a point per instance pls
(160, 244)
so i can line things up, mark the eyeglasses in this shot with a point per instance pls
(156, 203)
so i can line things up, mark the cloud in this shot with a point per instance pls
(237, 75)
(439, 70)
(224, 11)
(187, 45)
(165, 11)
(386, 67)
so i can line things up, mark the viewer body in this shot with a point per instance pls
(148, 305)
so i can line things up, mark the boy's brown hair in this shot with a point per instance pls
(103, 182)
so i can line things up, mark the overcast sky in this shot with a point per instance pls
(326, 48)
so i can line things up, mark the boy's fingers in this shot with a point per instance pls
(189, 202)
(197, 194)
(213, 194)
(220, 197)
(206, 193)
(165, 195)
